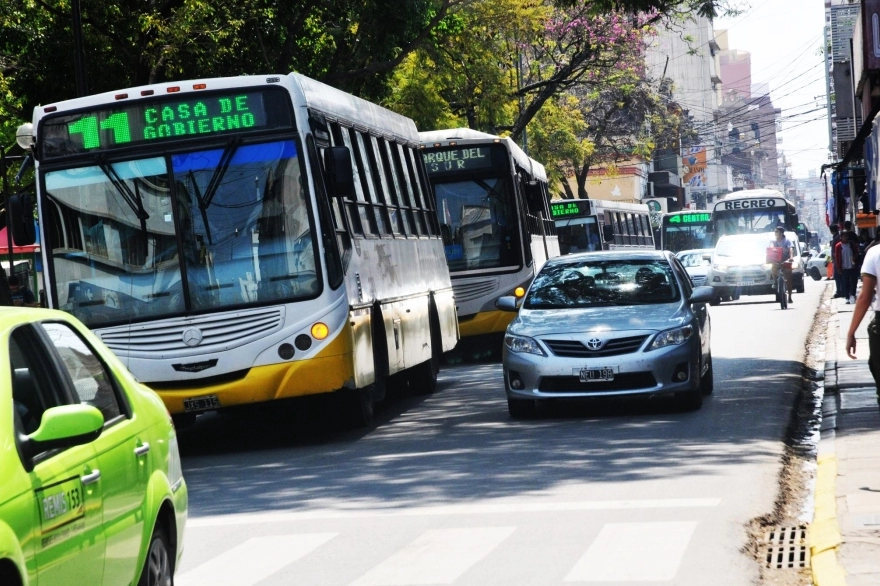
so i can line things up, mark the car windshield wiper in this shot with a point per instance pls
(132, 198)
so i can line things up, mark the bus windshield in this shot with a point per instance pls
(155, 237)
(686, 237)
(746, 221)
(479, 223)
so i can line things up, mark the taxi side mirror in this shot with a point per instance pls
(702, 295)
(506, 303)
(62, 427)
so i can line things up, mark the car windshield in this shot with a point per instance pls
(744, 248)
(693, 259)
(594, 282)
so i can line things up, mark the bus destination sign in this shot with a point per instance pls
(143, 122)
(457, 159)
(690, 218)
(570, 209)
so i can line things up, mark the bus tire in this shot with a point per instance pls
(423, 378)
(358, 406)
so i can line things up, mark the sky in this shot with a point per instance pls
(784, 38)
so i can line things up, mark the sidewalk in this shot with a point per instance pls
(845, 533)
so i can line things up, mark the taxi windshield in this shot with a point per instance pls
(607, 282)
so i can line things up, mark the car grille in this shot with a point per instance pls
(626, 381)
(698, 281)
(755, 275)
(614, 347)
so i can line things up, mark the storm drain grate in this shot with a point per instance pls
(786, 548)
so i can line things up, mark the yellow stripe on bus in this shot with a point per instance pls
(327, 371)
(486, 322)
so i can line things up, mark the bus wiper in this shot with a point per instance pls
(202, 206)
(132, 198)
(219, 172)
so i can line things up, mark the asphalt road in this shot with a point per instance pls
(449, 490)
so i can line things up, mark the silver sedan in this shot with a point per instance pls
(604, 324)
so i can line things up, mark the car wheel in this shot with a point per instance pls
(799, 283)
(707, 381)
(814, 272)
(158, 569)
(715, 300)
(521, 408)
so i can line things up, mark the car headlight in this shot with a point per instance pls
(768, 266)
(722, 268)
(523, 345)
(672, 337)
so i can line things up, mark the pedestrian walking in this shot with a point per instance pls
(835, 268)
(846, 258)
(868, 300)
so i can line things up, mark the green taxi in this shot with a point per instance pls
(91, 487)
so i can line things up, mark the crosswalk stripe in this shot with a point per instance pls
(438, 556)
(445, 510)
(253, 561)
(637, 552)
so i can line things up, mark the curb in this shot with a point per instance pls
(824, 536)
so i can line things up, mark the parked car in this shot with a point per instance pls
(92, 489)
(696, 264)
(616, 323)
(739, 266)
(816, 265)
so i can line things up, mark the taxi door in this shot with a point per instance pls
(68, 538)
(121, 450)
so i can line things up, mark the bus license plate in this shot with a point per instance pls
(592, 375)
(201, 403)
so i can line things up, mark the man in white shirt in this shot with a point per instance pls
(867, 300)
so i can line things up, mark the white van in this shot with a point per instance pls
(739, 266)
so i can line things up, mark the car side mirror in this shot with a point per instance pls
(702, 295)
(506, 303)
(707, 256)
(63, 427)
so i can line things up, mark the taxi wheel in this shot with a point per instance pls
(157, 567)
(707, 381)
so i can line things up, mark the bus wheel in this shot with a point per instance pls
(423, 378)
(358, 406)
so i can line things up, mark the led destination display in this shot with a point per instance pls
(569, 209)
(152, 121)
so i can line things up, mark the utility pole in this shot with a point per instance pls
(79, 57)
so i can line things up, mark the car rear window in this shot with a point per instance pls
(603, 282)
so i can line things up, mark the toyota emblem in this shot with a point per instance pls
(594, 343)
(192, 336)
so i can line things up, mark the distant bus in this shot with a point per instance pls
(245, 239)
(492, 208)
(686, 230)
(596, 224)
(753, 211)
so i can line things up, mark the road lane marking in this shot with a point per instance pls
(438, 556)
(254, 560)
(444, 510)
(634, 552)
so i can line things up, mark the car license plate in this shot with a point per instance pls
(592, 375)
(744, 283)
(201, 403)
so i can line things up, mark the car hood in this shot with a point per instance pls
(538, 322)
(739, 261)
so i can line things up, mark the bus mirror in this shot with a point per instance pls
(339, 172)
(21, 213)
(608, 233)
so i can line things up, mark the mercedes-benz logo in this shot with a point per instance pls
(594, 343)
(192, 336)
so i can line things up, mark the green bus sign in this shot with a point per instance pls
(570, 209)
(690, 218)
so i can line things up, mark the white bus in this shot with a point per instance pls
(492, 207)
(596, 224)
(241, 240)
(753, 211)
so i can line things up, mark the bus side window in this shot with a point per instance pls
(395, 189)
(357, 208)
(427, 226)
(405, 180)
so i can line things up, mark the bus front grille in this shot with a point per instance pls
(215, 332)
(474, 290)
